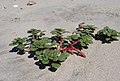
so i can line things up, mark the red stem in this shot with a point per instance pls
(74, 43)
(61, 41)
(81, 26)
(70, 49)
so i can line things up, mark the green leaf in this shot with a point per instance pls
(82, 44)
(48, 54)
(39, 58)
(89, 27)
(39, 52)
(118, 34)
(59, 31)
(55, 59)
(45, 61)
(18, 41)
(60, 58)
(63, 56)
(33, 49)
(75, 36)
(21, 46)
(86, 40)
(55, 65)
(33, 31)
(13, 43)
(67, 38)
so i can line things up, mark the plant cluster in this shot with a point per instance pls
(52, 51)
(84, 33)
(44, 48)
(107, 34)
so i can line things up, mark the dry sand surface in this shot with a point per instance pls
(16, 17)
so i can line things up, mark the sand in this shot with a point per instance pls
(16, 17)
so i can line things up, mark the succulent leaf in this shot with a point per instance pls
(63, 56)
(55, 65)
(21, 47)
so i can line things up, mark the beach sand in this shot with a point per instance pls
(16, 17)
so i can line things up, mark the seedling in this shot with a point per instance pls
(36, 33)
(19, 42)
(107, 35)
(54, 50)
(84, 33)
(84, 29)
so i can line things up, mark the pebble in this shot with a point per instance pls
(3, 7)
(15, 6)
(30, 3)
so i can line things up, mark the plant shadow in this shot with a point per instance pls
(33, 55)
(43, 66)
(19, 52)
(54, 38)
(78, 46)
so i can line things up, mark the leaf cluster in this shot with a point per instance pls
(108, 34)
(90, 28)
(44, 42)
(35, 33)
(85, 35)
(44, 48)
(59, 31)
(19, 42)
(52, 57)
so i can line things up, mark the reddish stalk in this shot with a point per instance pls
(71, 48)
(61, 41)
(81, 26)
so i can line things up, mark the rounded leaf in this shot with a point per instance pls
(55, 65)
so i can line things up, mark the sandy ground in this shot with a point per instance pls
(103, 60)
